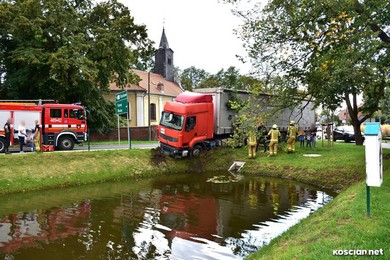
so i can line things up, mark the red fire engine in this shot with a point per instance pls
(62, 125)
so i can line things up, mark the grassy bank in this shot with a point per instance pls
(336, 169)
(342, 224)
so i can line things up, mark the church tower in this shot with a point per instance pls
(163, 59)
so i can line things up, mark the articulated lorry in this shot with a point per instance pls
(62, 125)
(200, 120)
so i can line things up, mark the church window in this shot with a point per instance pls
(153, 111)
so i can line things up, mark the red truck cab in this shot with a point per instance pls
(187, 125)
(63, 125)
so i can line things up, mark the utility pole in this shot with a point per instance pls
(149, 126)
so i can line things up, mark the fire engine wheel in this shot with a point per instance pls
(2, 145)
(196, 150)
(65, 143)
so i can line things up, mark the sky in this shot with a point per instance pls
(200, 32)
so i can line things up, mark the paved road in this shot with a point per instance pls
(116, 146)
(99, 147)
(385, 145)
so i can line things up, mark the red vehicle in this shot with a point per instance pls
(202, 120)
(62, 125)
(187, 125)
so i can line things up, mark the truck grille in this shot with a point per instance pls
(168, 138)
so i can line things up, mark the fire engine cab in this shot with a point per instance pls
(62, 125)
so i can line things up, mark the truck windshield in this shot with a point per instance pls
(171, 120)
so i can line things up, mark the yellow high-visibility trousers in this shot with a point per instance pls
(273, 148)
(291, 144)
(251, 151)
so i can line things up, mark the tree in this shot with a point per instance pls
(69, 51)
(191, 78)
(230, 78)
(250, 113)
(385, 107)
(335, 50)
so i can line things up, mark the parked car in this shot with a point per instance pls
(345, 133)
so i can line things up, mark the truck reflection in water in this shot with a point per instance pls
(32, 228)
(222, 220)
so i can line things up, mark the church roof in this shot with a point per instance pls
(158, 85)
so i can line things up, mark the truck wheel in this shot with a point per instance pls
(347, 139)
(65, 143)
(196, 151)
(2, 145)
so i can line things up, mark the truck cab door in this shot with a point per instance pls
(190, 130)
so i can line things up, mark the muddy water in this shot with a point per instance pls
(189, 216)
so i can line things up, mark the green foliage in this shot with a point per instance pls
(69, 51)
(250, 113)
(385, 107)
(192, 78)
(337, 50)
(230, 79)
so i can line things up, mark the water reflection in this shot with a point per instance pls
(176, 217)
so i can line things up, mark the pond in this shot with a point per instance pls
(186, 216)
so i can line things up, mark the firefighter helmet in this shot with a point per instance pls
(274, 126)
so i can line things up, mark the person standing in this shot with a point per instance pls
(273, 145)
(29, 140)
(301, 138)
(308, 140)
(37, 136)
(7, 133)
(313, 139)
(291, 135)
(252, 144)
(21, 135)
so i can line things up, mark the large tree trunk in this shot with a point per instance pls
(353, 113)
(358, 134)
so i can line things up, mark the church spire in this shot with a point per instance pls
(163, 61)
(164, 41)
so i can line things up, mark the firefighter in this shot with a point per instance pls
(273, 145)
(7, 133)
(291, 137)
(252, 144)
(37, 136)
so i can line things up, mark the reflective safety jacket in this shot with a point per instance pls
(274, 133)
(292, 131)
(252, 139)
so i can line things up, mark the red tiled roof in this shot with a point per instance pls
(168, 88)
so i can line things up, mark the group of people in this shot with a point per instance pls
(28, 137)
(310, 138)
(274, 136)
